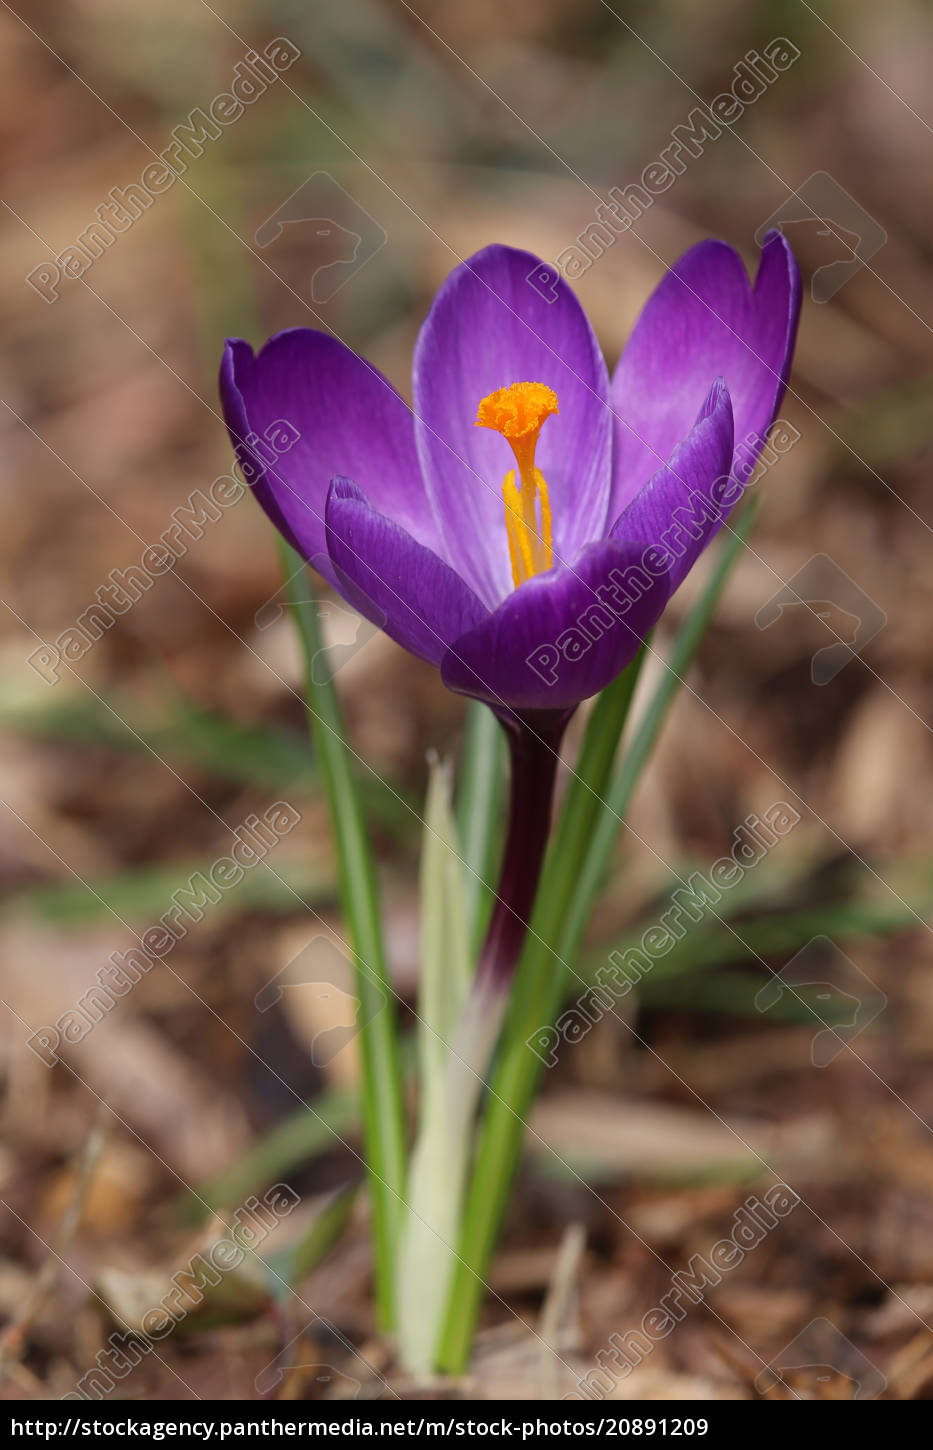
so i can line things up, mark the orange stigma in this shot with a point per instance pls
(519, 412)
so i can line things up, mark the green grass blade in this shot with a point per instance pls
(383, 1099)
(287, 1267)
(191, 736)
(188, 733)
(736, 994)
(573, 875)
(141, 893)
(776, 935)
(479, 812)
(306, 1132)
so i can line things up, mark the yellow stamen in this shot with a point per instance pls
(519, 412)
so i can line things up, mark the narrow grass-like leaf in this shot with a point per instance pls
(736, 994)
(290, 1265)
(140, 894)
(479, 812)
(291, 1143)
(777, 935)
(447, 1088)
(574, 871)
(178, 728)
(188, 735)
(227, 305)
(445, 960)
(383, 1101)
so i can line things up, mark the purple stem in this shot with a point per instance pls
(533, 748)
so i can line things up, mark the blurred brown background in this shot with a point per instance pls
(429, 130)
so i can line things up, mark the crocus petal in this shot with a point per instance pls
(704, 320)
(687, 500)
(350, 420)
(397, 583)
(501, 318)
(562, 636)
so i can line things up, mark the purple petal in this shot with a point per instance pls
(704, 321)
(489, 327)
(687, 500)
(562, 636)
(350, 420)
(393, 580)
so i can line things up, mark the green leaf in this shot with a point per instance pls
(479, 812)
(140, 894)
(382, 1099)
(736, 993)
(445, 960)
(307, 1131)
(447, 1088)
(290, 1265)
(188, 735)
(778, 935)
(174, 726)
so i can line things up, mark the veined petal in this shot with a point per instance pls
(704, 320)
(392, 579)
(686, 501)
(562, 636)
(350, 420)
(491, 326)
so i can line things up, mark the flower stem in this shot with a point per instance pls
(534, 1000)
(533, 748)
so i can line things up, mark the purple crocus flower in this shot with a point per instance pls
(527, 557)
